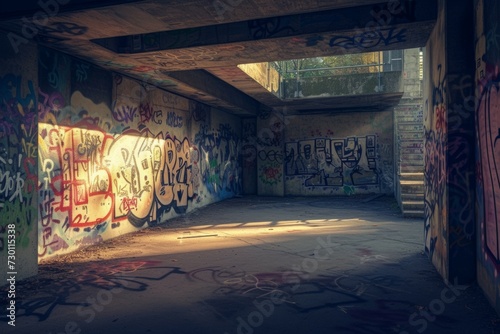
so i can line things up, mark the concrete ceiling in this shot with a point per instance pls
(193, 47)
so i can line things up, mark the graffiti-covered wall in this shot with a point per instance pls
(449, 144)
(435, 142)
(249, 155)
(18, 163)
(117, 154)
(269, 145)
(488, 148)
(339, 154)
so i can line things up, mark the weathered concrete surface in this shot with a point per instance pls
(256, 265)
(18, 164)
(339, 154)
(451, 171)
(211, 35)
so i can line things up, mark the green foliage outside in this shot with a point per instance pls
(329, 66)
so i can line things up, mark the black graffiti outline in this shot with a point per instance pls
(271, 155)
(497, 138)
(59, 292)
(370, 39)
(266, 28)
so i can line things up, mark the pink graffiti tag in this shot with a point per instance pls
(129, 203)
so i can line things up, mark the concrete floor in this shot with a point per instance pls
(256, 265)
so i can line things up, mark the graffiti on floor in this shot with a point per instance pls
(110, 278)
(368, 300)
(365, 303)
(333, 162)
(293, 287)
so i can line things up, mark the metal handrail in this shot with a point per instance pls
(286, 70)
(337, 67)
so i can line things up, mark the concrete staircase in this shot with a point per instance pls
(409, 153)
(412, 194)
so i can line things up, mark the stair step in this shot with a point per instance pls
(413, 205)
(413, 213)
(411, 186)
(409, 103)
(412, 182)
(412, 197)
(413, 202)
(416, 170)
(411, 176)
(411, 169)
(416, 188)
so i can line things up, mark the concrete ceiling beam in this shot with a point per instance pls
(211, 85)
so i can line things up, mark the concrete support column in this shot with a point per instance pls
(488, 149)
(450, 236)
(18, 162)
